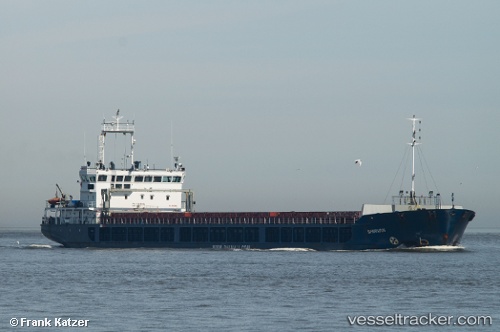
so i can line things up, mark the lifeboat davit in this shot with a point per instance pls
(54, 201)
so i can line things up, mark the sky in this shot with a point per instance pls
(267, 103)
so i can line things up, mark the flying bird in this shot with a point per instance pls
(358, 162)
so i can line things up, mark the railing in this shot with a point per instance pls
(81, 215)
(417, 200)
(232, 218)
(120, 127)
(68, 215)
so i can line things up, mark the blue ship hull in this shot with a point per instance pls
(432, 227)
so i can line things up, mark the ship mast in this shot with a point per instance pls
(413, 143)
(116, 127)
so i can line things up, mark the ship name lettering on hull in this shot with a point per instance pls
(376, 230)
(231, 246)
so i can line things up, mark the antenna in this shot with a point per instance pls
(413, 143)
(172, 142)
(84, 149)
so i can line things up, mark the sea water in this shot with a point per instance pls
(248, 290)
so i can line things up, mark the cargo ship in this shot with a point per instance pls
(136, 206)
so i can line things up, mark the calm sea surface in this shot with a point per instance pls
(207, 290)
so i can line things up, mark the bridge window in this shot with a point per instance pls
(177, 179)
(128, 178)
(102, 178)
(119, 178)
(139, 178)
(157, 179)
(148, 179)
(166, 179)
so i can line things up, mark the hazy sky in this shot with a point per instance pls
(271, 101)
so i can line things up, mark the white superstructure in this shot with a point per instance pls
(106, 189)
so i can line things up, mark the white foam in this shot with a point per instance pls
(39, 246)
(291, 249)
(434, 248)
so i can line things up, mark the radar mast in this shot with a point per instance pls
(115, 127)
(413, 143)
